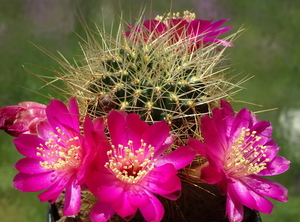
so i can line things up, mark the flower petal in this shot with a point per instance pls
(164, 189)
(59, 116)
(180, 157)
(72, 199)
(216, 151)
(234, 209)
(124, 208)
(154, 210)
(218, 32)
(52, 193)
(135, 128)
(105, 185)
(156, 140)
(198, 146)
(223, 119)
(210, 175)
(163, 173)
(242, 120)
(137, 196)
(277, 166)
(38, 182)
(250, 198)
(30, 166)
(117, 128)
(26, 144)
(101, 212)
(267, 188)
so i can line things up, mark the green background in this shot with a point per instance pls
(269, 50)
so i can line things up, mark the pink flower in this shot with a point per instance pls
(131, 169)
(56, 158)
(22, 118)
(239, 149)
(199, 32)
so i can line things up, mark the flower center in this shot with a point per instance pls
(131, 165)
(61, 152)
(246, 156)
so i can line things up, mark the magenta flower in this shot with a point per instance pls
(131, 169)
(199, 32)
(239, 149)
(22, 118)
(56, 158)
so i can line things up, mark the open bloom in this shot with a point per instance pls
(22, 118)
(199, 32)
(56, 158)
(239, 149)
(131, 169)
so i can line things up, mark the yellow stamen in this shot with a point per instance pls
(131, 165)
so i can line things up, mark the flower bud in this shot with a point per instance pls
(22, 118)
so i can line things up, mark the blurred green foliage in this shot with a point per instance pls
(267, 50)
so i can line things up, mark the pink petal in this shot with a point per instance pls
(137, 196)
(250, 198)
(38, 182)
(154, 211)
(180, 157)
(151, 135)
(72, 199)
(271, 149)
(124, 208)
(74, 110)
(109, 192)
(216, 151)
(101, 212)
(264, 130)
(30, 166)
(200, 26)
(198, 146)
(242, 120)
(135, 128)
(105, 185)
(168, 142)
(234, 209)
(161, 174)
(168, 187)
(277, 166)
(117, 128)
(218, 32)
(44, 130)
(52, 193)
(18, 180)
(210, 175)
(217, 24)
(223, 119)
(267, 188)
(26, 144)
(59, 116)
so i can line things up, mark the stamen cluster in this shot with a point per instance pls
(244, 157)
(61, 153)
(130, 165)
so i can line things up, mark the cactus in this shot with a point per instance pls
(156, 79)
